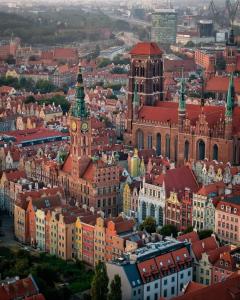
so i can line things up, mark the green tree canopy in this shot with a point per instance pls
(115, 289)
(168, 230)
(99, 287)
(204, 233)
(45, 86)
(149, 224)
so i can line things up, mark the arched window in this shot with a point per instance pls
(144, 211)
(186, 150)
(160, 216)
(167, 148)
(149, 141)
(140, 139)
(176, 148)
(158, 146)
(215, 152)
(152, 211)
(201, 150)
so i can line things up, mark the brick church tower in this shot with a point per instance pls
(80, 128)
(145, 78)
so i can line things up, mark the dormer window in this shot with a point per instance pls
(144, 270)
(235, 210)
(222, 206)
(221, 262)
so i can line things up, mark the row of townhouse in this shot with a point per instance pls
(43, 220)
(211, 263)
(157, 270)
(175, 197)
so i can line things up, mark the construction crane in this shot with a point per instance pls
(217, 14)
(232, 8)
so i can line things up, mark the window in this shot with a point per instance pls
(165, 294)
(134, 293)
(156, 285)
(172, 290)
(148, 288)
(173, 279)
(165, 282)
(156, 296)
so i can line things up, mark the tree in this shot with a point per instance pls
(204, 233)
(10, 60)
(168, 230)
(190, 44)
(99, 287)
(30, 99)
(149, 224)
(115, 289)
(188, 229)
(45, 86)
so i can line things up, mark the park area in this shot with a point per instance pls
(56, 278)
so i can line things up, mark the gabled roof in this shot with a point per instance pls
(146, 48)
(18, 289)
(205, 245)
(220, 84)
(190, 237)
(225, 290)
(177, 180)
(193, 286)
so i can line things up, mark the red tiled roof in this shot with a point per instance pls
(190, 237)
(220, 84)
(147, 269)
(34, 134)
(225, 290)
(204, 245)
(167, 112)
(178, 179)
(211, 188)
(126, 225)
(146, 48)
(67, 166)
(15, 175)
(192, 287)
(18, 290)
(213, 255)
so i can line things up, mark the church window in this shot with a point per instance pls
(215, 152)
(152, 211)
(144, 211)
(140, 139)
(149, 141)
(175, 148)
(186, 150)
(201, 150)
(158, 148)
(167, 149)
(160, 216)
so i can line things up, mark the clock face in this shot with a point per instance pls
(84, 127)
(74, 126)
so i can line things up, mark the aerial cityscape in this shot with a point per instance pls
(119, 150)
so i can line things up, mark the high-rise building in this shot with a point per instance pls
(164, 26)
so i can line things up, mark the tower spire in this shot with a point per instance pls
(230, 98)
(79, 109)
(181, 102)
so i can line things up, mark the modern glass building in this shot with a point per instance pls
(164, 26)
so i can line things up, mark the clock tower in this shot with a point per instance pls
(80, 127)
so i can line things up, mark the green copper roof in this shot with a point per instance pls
(79, 109)
(181, 101)
(230, 98)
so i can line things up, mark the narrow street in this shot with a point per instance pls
(6, 231)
